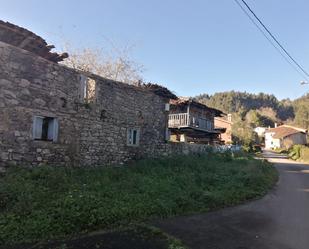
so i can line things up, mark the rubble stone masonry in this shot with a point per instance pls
(89, 134)
(50, 116)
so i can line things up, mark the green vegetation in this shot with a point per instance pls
(135, 236)
(299, 152)
(242, 102)
(301, 107)
(54, 202)
(253, 110)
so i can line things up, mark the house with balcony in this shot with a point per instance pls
(192, 122)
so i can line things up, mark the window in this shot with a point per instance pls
(133, 136)
(167, 107)
(88, 89)
(45, 128)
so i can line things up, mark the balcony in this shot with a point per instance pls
(185, 120)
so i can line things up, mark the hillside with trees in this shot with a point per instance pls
(253, 110)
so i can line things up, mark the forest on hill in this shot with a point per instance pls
(253, 110)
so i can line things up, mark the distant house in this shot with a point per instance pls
(192, 122)
(224, 124)
(260, 131)
(284, 137)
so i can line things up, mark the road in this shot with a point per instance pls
(280, 220)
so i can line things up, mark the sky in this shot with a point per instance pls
(191, 47)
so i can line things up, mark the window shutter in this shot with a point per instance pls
(83, 87)
(167, 134)
(37, 127)
(137, 136)
(56, 130)
(50, 132)
(129, 136)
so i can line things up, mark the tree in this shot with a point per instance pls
(243, 132)
(302, 112)
(115, 64)
(267, 105)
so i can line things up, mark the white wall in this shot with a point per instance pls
(270, 142)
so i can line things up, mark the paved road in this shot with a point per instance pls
(278, 221)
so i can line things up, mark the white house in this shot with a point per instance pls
(260, 131)
(284, 136)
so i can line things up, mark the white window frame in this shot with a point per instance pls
(52, 132)
(130, 136)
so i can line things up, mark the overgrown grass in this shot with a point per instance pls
(51, 202)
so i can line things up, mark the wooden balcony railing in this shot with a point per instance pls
(182, 120)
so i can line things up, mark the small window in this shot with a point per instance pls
(45, 128)
(88, 89)
(133, 136)
(167, 107)
(167, 134)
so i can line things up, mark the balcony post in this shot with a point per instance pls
(188, 115)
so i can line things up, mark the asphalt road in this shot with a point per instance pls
(278, 221)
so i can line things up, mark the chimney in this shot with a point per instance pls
(229, 117)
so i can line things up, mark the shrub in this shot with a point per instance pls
(299, 152)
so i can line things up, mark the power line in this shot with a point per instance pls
(270, 41)
(273, 37)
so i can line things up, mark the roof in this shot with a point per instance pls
(223, 120)
(159, 90)
(27, 40)
(285, 130)
(187, 101)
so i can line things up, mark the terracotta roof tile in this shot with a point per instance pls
(284, 131)
(186, 101)
(27, 40)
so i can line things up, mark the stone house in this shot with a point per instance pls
(192, 122)
(284, 136)
(224, 124)
(52, 114)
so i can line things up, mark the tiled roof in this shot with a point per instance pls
(284, 131)
(223, 119)
(27, 40)
(159, 90)
(186, 101)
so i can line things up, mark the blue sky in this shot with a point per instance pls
(192, 47)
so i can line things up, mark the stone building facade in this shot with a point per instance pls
(51, 114)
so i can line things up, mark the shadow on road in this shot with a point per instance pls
(280, 220)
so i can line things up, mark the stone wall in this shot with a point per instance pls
(92, 133)
(172, 149)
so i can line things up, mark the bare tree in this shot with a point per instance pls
(115, 64)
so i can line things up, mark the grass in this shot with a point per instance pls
(54, 202)
(135, 236)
